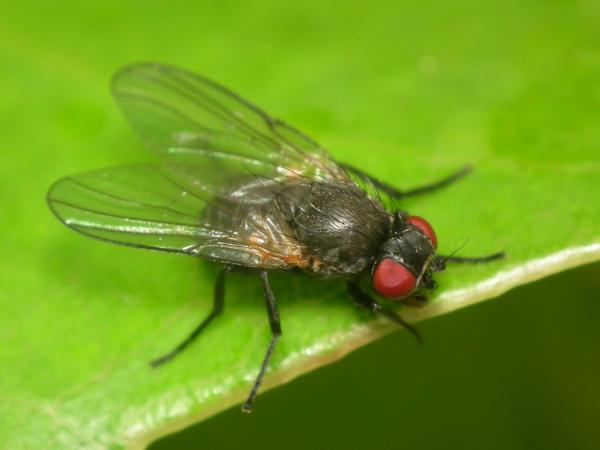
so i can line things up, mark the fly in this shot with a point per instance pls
(235, 186)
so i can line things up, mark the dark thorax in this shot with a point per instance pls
(339, 226)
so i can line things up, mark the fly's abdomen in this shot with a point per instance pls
(254, 232)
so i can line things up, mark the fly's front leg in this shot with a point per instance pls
(473, 259)
(275, 325)
(365, 301)
(416, 301)
(440, 262)
(396, 193)
(218, 305)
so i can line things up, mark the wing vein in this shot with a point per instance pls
(124, 200)
(119, 216)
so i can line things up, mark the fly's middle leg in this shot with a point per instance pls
(218, 306)
(275, 325)
(397, 193)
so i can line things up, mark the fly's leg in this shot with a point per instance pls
(365, 301)
(396, 193)
(416, 301)
(218, 303)
(275, 335)
(473, 259)
(440, 262)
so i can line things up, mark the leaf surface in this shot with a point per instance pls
(408, 93)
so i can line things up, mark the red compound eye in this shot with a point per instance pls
(392, 280)
(424, 226)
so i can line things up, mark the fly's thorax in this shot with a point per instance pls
(337, 223)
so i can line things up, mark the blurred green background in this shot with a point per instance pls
(518, 372)
(511, 86)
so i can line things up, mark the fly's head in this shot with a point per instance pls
(407, 259)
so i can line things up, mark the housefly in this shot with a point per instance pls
(235, 186)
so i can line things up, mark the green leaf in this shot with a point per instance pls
(407, 92)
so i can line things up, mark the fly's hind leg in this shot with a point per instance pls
(218, 304)
(275, 325)
(397, 193)
(365, 301)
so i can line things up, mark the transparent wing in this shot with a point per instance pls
(143, 206)
(184, 117)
